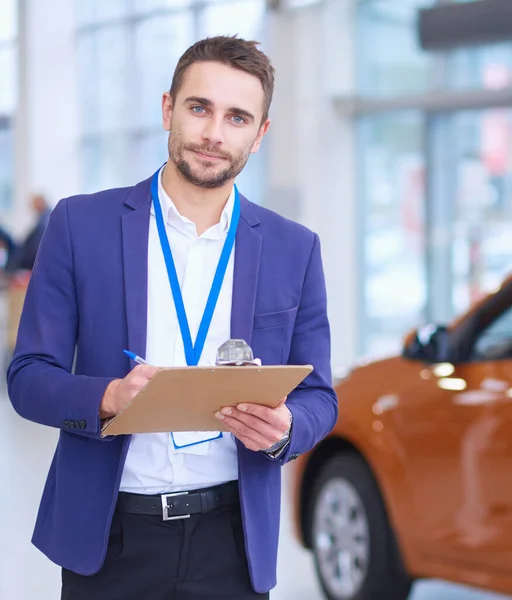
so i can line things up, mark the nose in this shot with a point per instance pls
(213, 132)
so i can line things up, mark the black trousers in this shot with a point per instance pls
(202, 557)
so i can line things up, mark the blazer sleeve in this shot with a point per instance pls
(40, 383)
(314, 404)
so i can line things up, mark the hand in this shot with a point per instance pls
(257, 427)
(121, 392)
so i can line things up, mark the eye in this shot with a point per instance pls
(198, 110)
(238, 120)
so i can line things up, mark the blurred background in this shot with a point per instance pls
(391, 138)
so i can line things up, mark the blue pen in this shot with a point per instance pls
(135, 358)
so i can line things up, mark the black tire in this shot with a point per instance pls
(384, 576)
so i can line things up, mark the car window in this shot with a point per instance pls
(495, 341)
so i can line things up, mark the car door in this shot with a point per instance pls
(429, 425)
(454, 430)
(483, 524)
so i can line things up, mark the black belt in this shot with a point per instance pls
(179, 505)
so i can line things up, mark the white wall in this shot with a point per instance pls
(47, 117)
(312, 172)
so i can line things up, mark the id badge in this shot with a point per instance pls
(188, 439)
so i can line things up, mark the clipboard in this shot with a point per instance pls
(186, 398)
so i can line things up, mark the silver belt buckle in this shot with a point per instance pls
(165, 507)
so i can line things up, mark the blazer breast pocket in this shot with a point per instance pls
(275, 319)
(272, 336)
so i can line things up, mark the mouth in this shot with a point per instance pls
(207, 156)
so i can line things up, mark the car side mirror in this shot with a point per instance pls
(429, 343)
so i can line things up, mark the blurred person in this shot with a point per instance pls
(23, 256)
(106, 277)
(6, 241)
(7, 246)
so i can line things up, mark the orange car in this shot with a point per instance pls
(416, 478)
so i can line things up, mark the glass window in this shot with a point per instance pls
(251, 181)
(214, 1)
(8, 20)
(159, 43)
(392, 187)
(6, 167)
(150, 153)
(474, 194)
(90, 12)
(87, 84)
(244, 18)
(8, 100)
(389, 58)
(393, 62)
(488, 67)
(495, 342)
(106, 163)
(8, 85)
(148, 6)
(105, 85)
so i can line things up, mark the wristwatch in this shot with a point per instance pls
(279, 446)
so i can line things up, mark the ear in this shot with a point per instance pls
(166, 111)
(261, 134)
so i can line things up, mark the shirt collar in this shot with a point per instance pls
(175, 219)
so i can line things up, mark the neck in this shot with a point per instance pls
(202, 206)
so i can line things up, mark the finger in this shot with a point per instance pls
(247, 441)
(138, 381)
(262, 412)
(240, 430)
(270, 432)
(273, 416)
(148, 371)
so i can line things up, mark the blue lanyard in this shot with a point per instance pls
(193, 351)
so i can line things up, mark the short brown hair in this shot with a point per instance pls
(234, 52)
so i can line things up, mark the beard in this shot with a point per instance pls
(206, 175)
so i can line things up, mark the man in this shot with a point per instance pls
(102, 283)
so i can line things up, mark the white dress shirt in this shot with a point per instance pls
(153, 465)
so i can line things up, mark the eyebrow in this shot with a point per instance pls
(209, 104)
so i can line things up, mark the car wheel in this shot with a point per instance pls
(355, 551)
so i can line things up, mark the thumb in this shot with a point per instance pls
(282, 401)
(149, 371)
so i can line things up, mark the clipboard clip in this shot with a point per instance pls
(236, 353)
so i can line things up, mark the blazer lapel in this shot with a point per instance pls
(135, 228)
(247, 262)
(245, 283)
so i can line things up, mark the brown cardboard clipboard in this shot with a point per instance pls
(186, 398)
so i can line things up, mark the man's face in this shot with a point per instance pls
(215, 123)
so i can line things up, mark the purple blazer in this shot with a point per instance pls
(87, 301)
